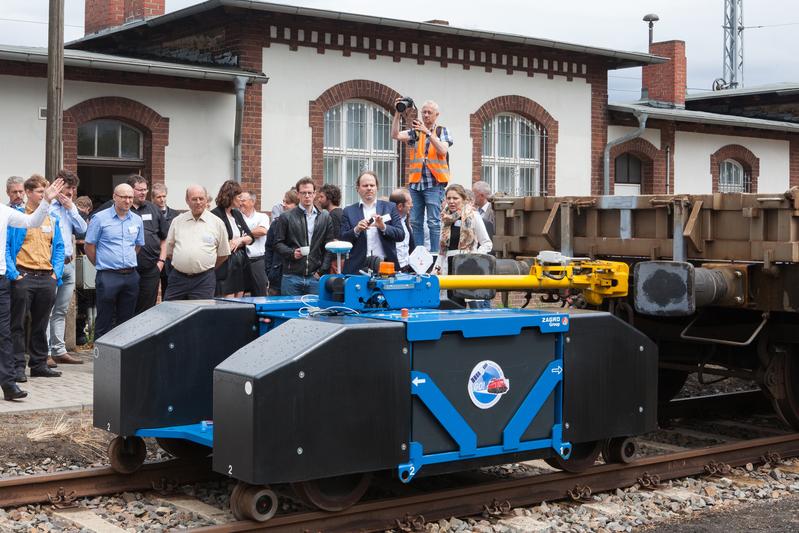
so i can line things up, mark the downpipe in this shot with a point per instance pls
(240, 84)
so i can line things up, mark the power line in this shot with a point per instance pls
(37, 22)
(771, 25)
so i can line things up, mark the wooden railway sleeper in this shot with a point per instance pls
(411, 523)
(62, 500)
(580, 493)
(496, 509)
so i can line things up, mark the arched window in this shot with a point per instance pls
(628, 176)
(511, 159)
(357, 137)
(733, 177)
(109, 139)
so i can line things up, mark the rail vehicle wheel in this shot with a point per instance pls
(583, 456)
(127, 454)
(786, 403)
(333, 493)
(670, 382)
(619, 450)
(182, 448)
(251, 502)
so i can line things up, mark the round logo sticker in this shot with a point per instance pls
(487, 384)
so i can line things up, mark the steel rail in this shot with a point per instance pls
(472, 500)
(43, 488)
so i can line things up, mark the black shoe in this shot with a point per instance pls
(12, 392)
(44, 373)
(21, 377)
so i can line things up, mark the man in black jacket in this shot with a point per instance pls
(300, 240)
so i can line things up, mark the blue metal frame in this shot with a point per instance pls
(549, 382)
(201, 433)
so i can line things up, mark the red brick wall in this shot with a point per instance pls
(377, 93)
(667, 82)
(794, 161)
(103, 14)
(141, 9)
(154, 127)
(598, 78)
(653, 165)
(742, 155)
(530, 110)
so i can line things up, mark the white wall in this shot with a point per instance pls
(201, 124)
(296, 78)
(650, 134)
(692, 153)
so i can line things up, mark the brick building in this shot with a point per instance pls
(183, 98)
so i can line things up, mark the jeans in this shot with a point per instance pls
(34, 293)
(294, 285)
(58, 317)
(429, 199)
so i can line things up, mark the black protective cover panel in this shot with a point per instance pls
(449, 362)
(474, 264)
(610, 379)
(164, 358)
(328, 396)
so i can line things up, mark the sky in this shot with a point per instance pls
(769, 52)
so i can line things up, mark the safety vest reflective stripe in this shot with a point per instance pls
(437, 165)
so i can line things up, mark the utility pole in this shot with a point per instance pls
(55, 89)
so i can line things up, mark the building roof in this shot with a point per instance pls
(703, 117)
(616, 58)
(81, 58)
(780, 89)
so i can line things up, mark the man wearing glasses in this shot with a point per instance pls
(300, 240)
(114, 237)
(151, 257)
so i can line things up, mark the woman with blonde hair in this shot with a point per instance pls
(462, 229)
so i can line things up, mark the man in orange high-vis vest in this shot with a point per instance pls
(428, 173)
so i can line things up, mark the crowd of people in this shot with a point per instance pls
(138, 246)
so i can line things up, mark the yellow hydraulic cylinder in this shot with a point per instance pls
(596, 279)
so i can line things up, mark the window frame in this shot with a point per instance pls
(726, 185)
(119, 124)
(627, 180)
(491, 163)
(367, 156)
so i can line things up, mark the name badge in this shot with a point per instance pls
(46, 229)
(209, 239)
(133, 230)
(147, 216)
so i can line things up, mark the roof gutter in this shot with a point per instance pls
(136, 66)
(623, 139)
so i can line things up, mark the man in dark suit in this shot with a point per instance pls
(364, 226)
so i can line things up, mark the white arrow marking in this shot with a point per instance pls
(418, 381)
(557, 370)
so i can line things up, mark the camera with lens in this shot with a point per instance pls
(405, 103)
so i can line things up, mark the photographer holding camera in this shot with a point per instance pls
(429, 168)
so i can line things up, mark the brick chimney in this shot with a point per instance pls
(666, 82)
(104, 14)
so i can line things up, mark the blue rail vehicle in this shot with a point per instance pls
(376, 375)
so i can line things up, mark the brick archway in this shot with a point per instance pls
(153, 126)
(530, 110)
(652, 164)
(742, 155)
(372, 91)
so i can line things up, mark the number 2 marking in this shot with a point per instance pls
(230, 470)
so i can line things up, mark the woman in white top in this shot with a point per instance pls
(462, 229)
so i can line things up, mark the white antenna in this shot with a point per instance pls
(733, 58)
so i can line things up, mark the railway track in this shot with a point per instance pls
(405, 512)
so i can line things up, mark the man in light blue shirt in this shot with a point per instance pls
(112, 241)
(71, 222)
